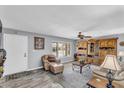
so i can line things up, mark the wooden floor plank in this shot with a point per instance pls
(43, 79)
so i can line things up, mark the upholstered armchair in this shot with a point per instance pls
(50, 62)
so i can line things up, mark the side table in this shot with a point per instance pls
(97, 82)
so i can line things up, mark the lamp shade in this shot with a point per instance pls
(110, 62)
(121, 53)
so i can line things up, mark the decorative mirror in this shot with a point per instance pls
(121, 43)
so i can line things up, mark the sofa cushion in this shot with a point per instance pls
(100, 73)
(121, 74)
(122, 65)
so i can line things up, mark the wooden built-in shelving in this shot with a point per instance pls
(95, 50)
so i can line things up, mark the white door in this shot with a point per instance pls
(16, 47)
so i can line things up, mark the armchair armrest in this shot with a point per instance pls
(119, 75)
(46, 65)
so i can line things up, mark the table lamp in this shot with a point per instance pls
(121, 54)
(110, 63)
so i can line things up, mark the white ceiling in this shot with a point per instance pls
(64, 21)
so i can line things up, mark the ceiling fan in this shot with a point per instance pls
(81, 36)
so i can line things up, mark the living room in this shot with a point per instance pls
(62, 46)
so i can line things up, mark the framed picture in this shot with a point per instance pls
(38, 43)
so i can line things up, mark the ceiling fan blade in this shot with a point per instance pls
(81, 36)
(88, 36)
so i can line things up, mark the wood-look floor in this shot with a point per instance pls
(43, 79)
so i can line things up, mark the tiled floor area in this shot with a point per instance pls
(43, 79)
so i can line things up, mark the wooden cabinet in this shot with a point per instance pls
(107, 46)
(96, 50)
(111, 43)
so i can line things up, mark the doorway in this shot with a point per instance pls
(16, 47)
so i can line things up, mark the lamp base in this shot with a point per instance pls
(109, 86)
(120, 59)
(110, 79)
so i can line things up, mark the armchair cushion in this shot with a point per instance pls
(51, 58)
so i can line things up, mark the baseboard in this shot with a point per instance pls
(68, 62)
(21, 74)
(35, 68)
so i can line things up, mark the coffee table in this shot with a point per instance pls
(80, 65)
(97, 82)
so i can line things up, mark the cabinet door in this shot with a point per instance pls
(112, 52)
(101, 60)
(90, 60)
(111, 43)
(106, 43)
(103, 53)
(84, 44)
(101, 43)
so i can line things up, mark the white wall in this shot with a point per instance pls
(34, 56)
(121, 48)
(121, 38)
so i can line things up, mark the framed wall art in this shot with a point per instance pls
(39, 43)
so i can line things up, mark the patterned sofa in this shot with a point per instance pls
(51, 63)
